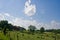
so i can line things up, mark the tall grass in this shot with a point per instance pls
(16, 35)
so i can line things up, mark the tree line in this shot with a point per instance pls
(5, 26)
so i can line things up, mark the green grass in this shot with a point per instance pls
(15, 35)
(3, 37)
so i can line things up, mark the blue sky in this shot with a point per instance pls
(36, 11)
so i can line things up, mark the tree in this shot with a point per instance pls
(42, 29)
(10, 27)
(4, 25)
(21, 29)
(32, 28)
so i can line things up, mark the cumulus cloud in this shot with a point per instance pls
(25, 23)
(53, 25)
(29, 9)
(1, 17)
(7, 14)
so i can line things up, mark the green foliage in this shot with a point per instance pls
(53, 30)
(16, 35)
(4, 26)
(20, 33)
(32, 28)
(42, 30)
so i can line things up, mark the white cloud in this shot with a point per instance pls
(55, 24)
(29, 9)
(1, 17)
(7, 14)
(25, 23)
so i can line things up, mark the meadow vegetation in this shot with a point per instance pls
(11, 32)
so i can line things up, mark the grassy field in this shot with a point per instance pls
(15, 35)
